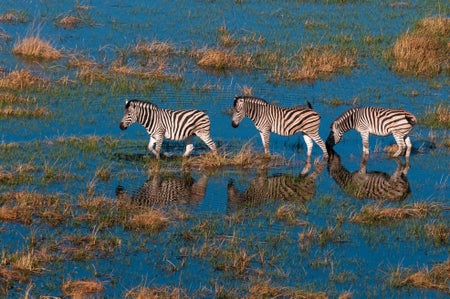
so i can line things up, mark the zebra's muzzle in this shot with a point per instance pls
(234, 125)
(122, 126)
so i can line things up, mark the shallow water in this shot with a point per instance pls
(224, 213)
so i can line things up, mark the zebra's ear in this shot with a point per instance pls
(127, 104)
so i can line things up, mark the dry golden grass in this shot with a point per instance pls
(376, 213)
(436, 278)
(148, 293)
(78, 288)
(265, 290)
(439, 232)
(11, 98)
(321, 61)
(149, 220)
(245, 158)
(424, 51)
(13, 17)
(222, 60)
(21, 79)
(10, 112)
(22, 206)
(69, 21)
(437, 117)
(33, 47)
(155, 47)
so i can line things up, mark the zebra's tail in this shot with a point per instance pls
(309, 105)
(411, 119)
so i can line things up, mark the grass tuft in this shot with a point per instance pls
(150, 220)
(265, 290)
(33, 47)
(318, 62)
(370, 214)
(437, 278)
(423, 51)
(21, 79)
(437, 117)
(79, 288)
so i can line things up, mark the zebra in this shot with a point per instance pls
(269, 118)
(287, 187)
(374, 185)
(172, 124)
(162, 189)
(377, 121)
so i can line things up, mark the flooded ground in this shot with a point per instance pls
(78, 194)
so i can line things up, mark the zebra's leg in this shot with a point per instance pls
(309, 144)
(151, 145)
(408, 146)
(189, 146)
(265, 138)
(321, 144)
(158, 141)
(206, 138)
(401, 144)
(365, 142)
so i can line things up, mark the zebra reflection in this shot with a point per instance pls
(287, 187)
(164, 188)
(370, 185)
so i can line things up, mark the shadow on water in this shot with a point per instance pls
(282, 186)
(164, 188)
(375, 185)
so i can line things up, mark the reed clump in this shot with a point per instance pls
(376, 213)
(80, 288)
(69, 21)
(33, 47)
(265, 290)
(436, 278)
(437, 116)
(220, 60)
(316, 62)
(424, 50)
(143, 292)
(21, 79)
(149, 220)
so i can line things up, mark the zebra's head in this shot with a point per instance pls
(129, 116)
(238, 111)
(334, 137)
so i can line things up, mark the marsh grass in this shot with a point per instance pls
(424, 50)
(69, 21)
(437, 116)
(23, 206)
(221, 60)
(150, 221)
(11, 98)
(22, 79)
(439, 233)
(143, 292)
(17, 112)
(266, 290)
(289, 213)
(317, 62)
(246, 158)
(81, 288)
(12, 17)
(35, 48)
(371, 214)
(436, 278)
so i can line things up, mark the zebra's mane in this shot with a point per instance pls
(143, 104)
(347, 114)
(253, 100)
